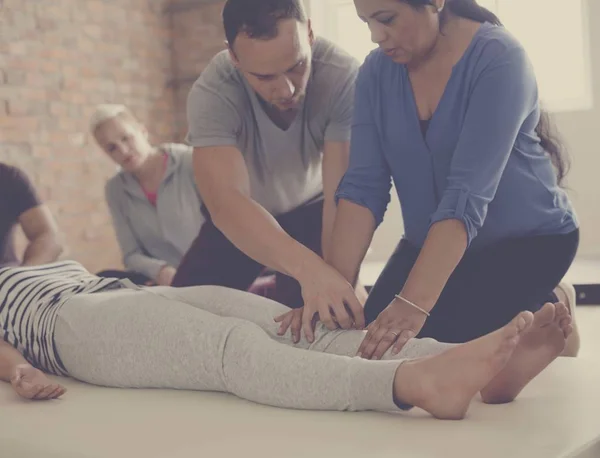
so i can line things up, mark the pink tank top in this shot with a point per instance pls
(152, 196)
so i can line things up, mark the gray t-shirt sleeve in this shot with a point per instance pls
(212, 115)
(340, 123)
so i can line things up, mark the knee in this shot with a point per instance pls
(242, 339)
(243, 347)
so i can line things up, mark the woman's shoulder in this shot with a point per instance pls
(491, 43)
(180, 155)
(376, 60)
(177, 149)
(498, 35)
(376, 68)
(117, 180)
(181, 165)
(115, 186)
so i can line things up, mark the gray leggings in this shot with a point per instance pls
(211, 338)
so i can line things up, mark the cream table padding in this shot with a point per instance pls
(557, 416)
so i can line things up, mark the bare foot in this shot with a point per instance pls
(445, 384)
(539, 346)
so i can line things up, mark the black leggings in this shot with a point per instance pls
(487, 289)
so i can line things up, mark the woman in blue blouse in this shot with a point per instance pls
(448, 108)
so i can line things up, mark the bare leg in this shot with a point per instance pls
(539, 346)
(444, 385)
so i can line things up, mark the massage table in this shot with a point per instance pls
(558, 415)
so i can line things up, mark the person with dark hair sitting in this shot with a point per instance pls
(21, 206)
(448, 108)
(269, 120)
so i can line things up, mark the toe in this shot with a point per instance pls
(561, 310)
(567, 330)
(565, 321)
(525, 319)
(519, 325)
(545, 315)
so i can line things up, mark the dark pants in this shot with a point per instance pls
(487, 289)
(214, 260)
(134, 277)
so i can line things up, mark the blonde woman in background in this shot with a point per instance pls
(153, 200)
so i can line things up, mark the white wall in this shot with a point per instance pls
(581, 133)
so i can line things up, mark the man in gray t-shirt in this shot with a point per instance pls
(270, 120)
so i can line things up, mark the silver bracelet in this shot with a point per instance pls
(412, 304)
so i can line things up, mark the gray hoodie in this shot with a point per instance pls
(151, 237)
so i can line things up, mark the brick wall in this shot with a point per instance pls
(197, 37)
(58, 59)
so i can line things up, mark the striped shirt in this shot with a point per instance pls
(30, 298)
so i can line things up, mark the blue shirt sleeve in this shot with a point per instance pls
(504, 95)
(367, 181)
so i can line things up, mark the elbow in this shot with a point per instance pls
(461, 228)
(465, 207)
(375, 198)
(60, 243)
(128, 260)
(61, 249)
(464, 224)
(377, 207)
(57, 247)
(219, 216)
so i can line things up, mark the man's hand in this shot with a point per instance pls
(293, 320)
(361, 293)
(326, 293)
(31, 383)
(165, 276)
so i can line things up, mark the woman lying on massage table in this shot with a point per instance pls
(62, 320)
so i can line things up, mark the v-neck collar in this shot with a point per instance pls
(258, 106)
(415, 119)
(263, 112)
(134, 187)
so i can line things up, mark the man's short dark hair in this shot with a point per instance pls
(259, 18)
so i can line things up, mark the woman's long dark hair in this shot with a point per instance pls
(549, 137)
